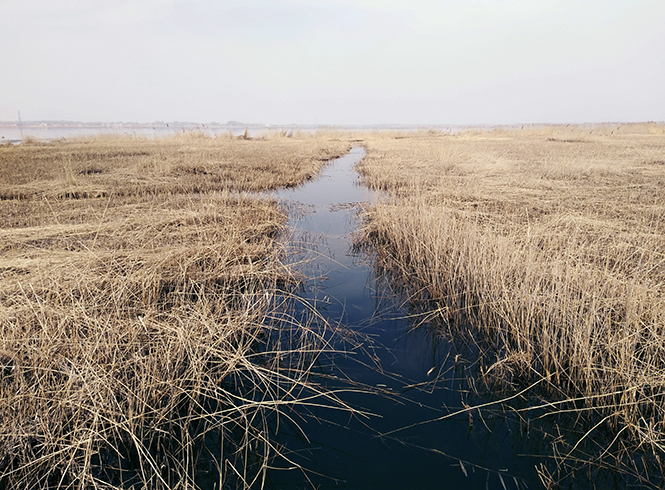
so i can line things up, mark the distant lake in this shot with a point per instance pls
(15, 133)
(52, 131)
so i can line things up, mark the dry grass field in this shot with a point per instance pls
(545, 249)
(137, 280)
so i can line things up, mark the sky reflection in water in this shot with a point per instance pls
(348, 451)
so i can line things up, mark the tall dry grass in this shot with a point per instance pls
(138, 293)
(182, 163)
(544, 247)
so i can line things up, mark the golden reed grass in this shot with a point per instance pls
(546, 247)
(138, 286)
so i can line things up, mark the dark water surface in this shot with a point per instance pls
(407, 378)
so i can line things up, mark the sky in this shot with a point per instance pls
(337, 62)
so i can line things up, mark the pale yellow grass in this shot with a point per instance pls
(546, 246)
(138, 289)
(104, 165)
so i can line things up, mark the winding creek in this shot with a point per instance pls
(405, 382)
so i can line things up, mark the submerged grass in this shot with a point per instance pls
(544, 248)
(138, 289)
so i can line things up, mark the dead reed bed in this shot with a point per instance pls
(545, 248)
(182, 163)
(138, 288)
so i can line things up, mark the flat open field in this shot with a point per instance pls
(136, 277)
(544, 249)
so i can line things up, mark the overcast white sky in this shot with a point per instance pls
(333, 61)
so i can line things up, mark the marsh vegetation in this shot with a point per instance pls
(145, 299)
(137, 284)
(542, 249)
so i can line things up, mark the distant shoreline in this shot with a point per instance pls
(46, 124)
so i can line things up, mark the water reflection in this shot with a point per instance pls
(420, 415)
(404, 381)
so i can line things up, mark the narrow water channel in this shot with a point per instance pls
(407, 379)
(404, 379)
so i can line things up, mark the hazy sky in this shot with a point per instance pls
(333, 61)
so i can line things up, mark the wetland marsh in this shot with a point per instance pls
(478, 309)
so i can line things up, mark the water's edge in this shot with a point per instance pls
(407, 378)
